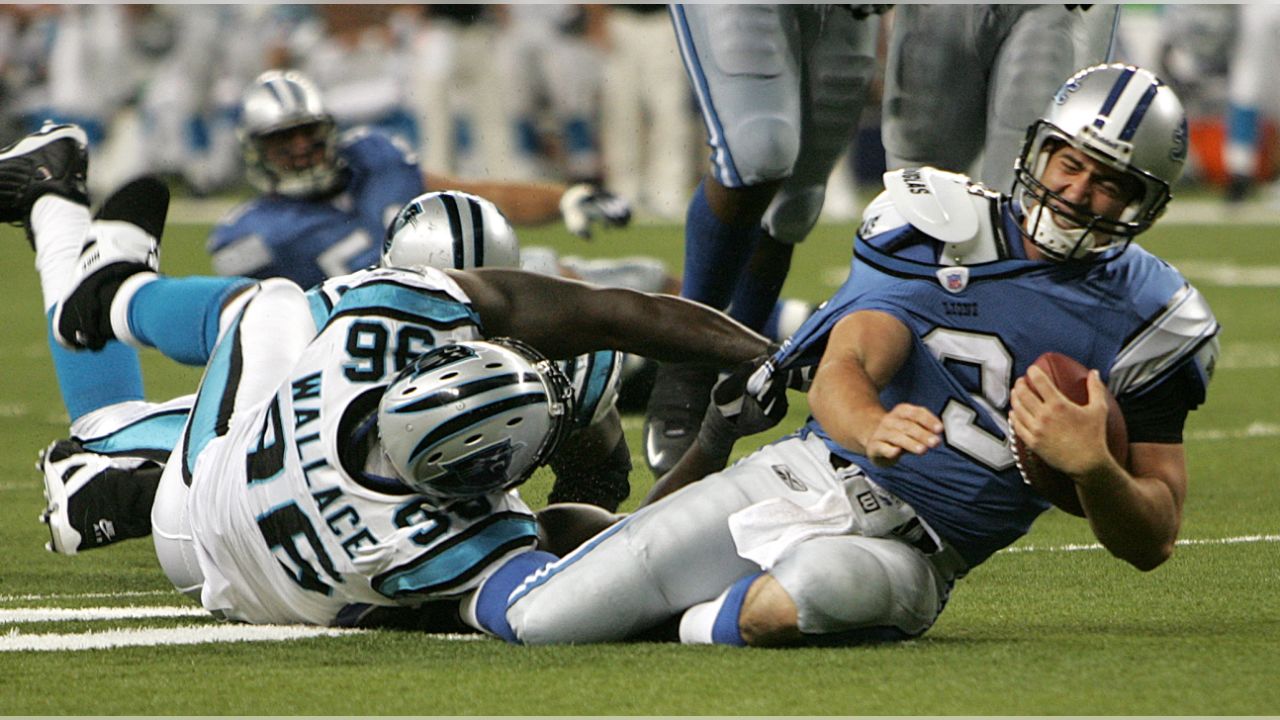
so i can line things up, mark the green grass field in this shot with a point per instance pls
(1051, 626)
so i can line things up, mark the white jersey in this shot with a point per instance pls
(291, 524)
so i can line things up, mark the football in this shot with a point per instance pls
(1057, 487)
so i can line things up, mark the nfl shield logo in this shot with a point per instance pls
(954, 279)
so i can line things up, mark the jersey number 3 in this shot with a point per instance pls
(994, 365)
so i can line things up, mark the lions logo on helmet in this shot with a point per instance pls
(450, 230)
(1123, 117)
(473, 417)
(288, 138)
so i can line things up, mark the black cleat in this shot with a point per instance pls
(52, 160)
(679, 400)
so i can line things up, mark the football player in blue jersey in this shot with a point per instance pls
(348, 450)
(857, 526)
(327, 197)
(781, 88)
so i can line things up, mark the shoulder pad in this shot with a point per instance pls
(938, 203)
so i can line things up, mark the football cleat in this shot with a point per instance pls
(54, 159)
(123, 241)
(680, 396)
(94, 500)
(66, 469)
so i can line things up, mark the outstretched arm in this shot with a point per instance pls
(580, 206)
(563, 318)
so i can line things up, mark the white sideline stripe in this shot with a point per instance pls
(29, 615)
(88, 596)
(186, 635)
(1242, 539)
(1229, 274)
(1254, 430)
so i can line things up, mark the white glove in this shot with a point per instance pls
(583, 204)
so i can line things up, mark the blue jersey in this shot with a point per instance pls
(309, 240)
(976, 329)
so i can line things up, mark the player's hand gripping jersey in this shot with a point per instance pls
(308, 240)
(941, 255)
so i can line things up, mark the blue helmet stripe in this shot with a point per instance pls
(1139, 112)
(1116, 90)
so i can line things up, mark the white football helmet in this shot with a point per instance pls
(279, 105)
(450, 230)
(1123, 117)
(473, 417)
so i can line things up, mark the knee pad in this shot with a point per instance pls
(848, 583)
(793, 213)
(763, 148)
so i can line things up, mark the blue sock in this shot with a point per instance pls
(770, 328)
(491, 605)
(1242, 125)
(714, 253)
(724, 631)
(92, 380)
(179, 316)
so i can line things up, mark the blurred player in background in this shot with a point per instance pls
(550, 58)
(327, 197)
(781, 88)
(856, 527)
(963, 82)
(1251, 91)
(648, 133)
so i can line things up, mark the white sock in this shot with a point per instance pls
(697, 621)
(59, 226)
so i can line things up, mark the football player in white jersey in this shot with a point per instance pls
(370, 461)
(857, 527)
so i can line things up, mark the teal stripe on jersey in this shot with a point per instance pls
(385, 298)
(465, 556)
(157, 432)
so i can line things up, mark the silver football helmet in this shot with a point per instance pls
(288, 139)
(1123, 117)
(450, 230)
(473, 417)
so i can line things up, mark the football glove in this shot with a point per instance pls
(583, 205)
(750, 399)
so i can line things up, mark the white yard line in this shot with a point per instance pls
(32, 615)
(186, 635)
(1242, 539)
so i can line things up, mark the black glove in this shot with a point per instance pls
(750, 399)
(583, 205)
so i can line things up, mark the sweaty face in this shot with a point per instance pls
(1086, 183)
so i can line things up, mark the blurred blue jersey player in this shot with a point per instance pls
(856, 527)
(328, 196)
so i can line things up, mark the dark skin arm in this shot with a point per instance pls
(524, 203)
(563, 318)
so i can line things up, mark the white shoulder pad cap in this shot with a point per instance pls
(936, 202)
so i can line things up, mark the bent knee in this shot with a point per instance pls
(764, 148)
(769, 617)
